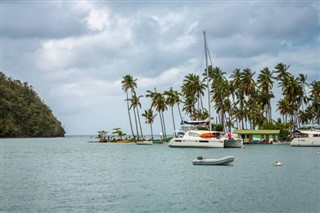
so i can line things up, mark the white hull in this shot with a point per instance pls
(310, 142)
(144, 143)
(233, 143)
(201, 142)
(221, 161)
(307, 136)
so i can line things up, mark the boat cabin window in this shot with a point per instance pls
(193, 134)
(300, 135)
(316, 135)
(179, 134)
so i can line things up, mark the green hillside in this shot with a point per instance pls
(23, 114)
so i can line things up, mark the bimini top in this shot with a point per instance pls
(311, 126)
(250, 131)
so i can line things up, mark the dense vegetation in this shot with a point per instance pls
(240, 100)
(23, 114)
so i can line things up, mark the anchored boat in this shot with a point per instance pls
(219, 161)
(197, 138)
(144, 142)
(309, 135)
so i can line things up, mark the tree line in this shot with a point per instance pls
(240, 101)
(23, 113)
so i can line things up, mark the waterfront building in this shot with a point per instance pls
(258, 136)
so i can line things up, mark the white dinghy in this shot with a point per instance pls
(219, 161)
(144, 143)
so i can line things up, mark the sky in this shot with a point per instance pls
(75, 53)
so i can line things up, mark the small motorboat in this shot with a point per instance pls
(219, 161)
(144, 142)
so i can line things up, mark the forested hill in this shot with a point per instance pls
(23, 114)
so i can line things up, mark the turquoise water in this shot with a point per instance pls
(72, 175)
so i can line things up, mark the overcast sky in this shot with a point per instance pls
(75, 53)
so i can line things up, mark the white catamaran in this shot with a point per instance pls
(309, 135)
(189, 136)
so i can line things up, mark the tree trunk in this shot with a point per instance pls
(139, 123)
(164, 125)
(129, 115)
(151, 131)
(160, 116)
(179, 112)
(174, 126)
(135, 119)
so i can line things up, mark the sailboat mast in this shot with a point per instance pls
(206, 55)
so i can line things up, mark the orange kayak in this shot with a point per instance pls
(207, 135)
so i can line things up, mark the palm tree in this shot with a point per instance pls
(293, 93)
(172, 98)
(159, 103)
(148, 114)
(135, 103)
(235, 91)
(246, 88)
(128, 83)
(265, 84)
(302, 79)
(315, 99)
(241, 114)
(247, 81)
(194, 88)
(220, 92)
(303, 117)
(119, 132)
(255, 112)
(188, 107)
(284, 109)
(177, 97)
(236, 76)
(281, 70)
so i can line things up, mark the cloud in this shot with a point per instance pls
(40, 20)
(76, 53)
(97, 18)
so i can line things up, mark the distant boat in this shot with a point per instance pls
(162, 140)
(277, 163)
(281, 143)
(309, 135)
(219, 161)
(233, 141)
(144, 143)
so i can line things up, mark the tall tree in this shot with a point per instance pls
(246, 88)
(135, 103)
(172, 98)
(315, 99)
(128, 83)
(302, 79)
(284, 109)
(188, 107)
(219, 91)
(282, 71)
(194, 88)
(265, 84)
(159, 103)
(149, 116)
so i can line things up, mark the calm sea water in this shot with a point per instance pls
(71, 175)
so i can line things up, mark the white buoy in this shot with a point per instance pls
(277, 163)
